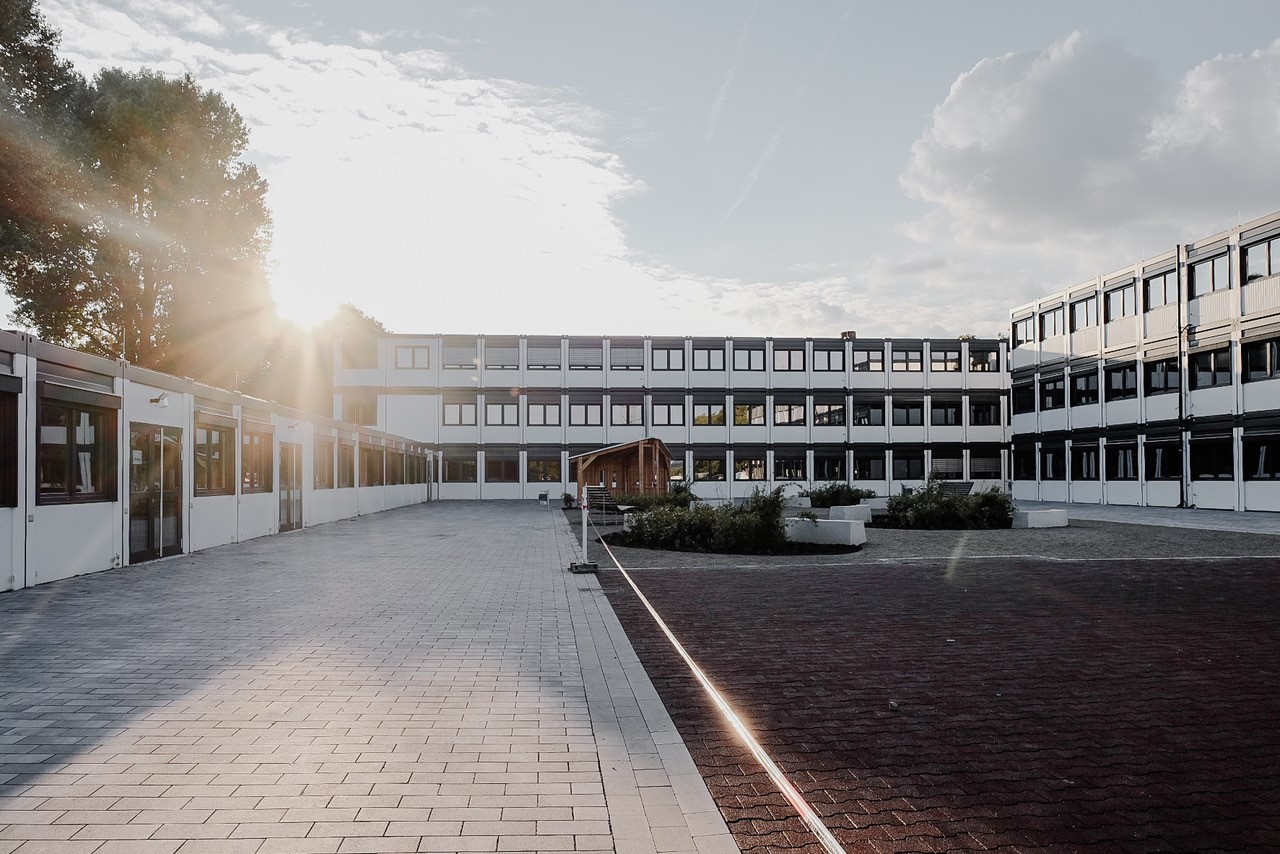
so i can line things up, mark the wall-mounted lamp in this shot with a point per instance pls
(161, 400)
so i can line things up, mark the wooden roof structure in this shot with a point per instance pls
(642, 466)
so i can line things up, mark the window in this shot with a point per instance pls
(1261, 260)
(322, 467)
(868, 414)
(908, 464)
(1261, 360)
(788, 360)
(908, 360)
(1024, 331)
(626, 414)
(828, 414)
(1051, 323)
(788, 415)
(944, 413)
(1160, 290)
(670, 360)
(257, 459)
(395, 468)
(502, 355)
(460, 355)
(360, 408)
(1024, 399)
(501, 470)
(459, 469)
(708, 468)
(748, 468)
(708, 414)
(677, 469)
(828, 467)
(586, 356)
(77, 453)
(585, 414)
(1121, 302)
(668, 414)
(216, 459)
(1052, 394)
(868, 465)
(1053, 462)
(628, 356)
(944, 360)
(828, 360)
(1212, 459)
(1213, 274)
(1262, 458)
(984, 412)
(9, 443)
(949, 466)
(908, 413)
(707, 359)
(984, 361)
(1024, 463)
(414, 358)
(1164, 460)
(501, 414)
(1122, 382)
(1084, 462)
(748, 414)
(1122, 461)
(346, 466)
(543, 354)
(868, 360)
(984, 468)
(544, 471)
(1084, 389)
(544, 414)
(456, 414)
(748, 360)
(372, 463)
(788, 467)
(1162, 376)
(1084, 313)
(1211, 368)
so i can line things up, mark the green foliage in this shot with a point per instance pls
(928, 508)
(678, 495)
(836, 495)
(754, 527)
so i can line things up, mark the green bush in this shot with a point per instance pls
(678, 495)
(754, 527)
(836, 495)
(928, 508)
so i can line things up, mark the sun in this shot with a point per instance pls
(301, 305)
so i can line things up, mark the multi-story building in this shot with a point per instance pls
(1157, 384)
(508, 412)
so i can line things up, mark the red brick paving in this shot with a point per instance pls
(1118, 706)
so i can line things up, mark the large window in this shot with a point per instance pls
(1164, 460)
(1213, 274)
(626, 414)
(984, 412)
(983, 361)
(585, 414)
(502, 354)
(77, 453)
(1024, 331)
(543, 354)
(456, 414)
(944, 360)
(586, 355)
(628, 356)
(1211, 459)
(828, 414)
(908, 360)
(945, 413)
(748, 414)
(1122, 382)
(789, 466)
(708, 414)
(322, 466)
(828, 360)
(868, 465)
(908, 413)
(1051, 323)
(1084, 313)
(459, 469)
(1121, 302)
(496, 414)
(985, 468)
(707, 359)
(544, 471)
(460, 354)
(788, 360)
(346, 466)
(1122, 461)
(670, 359)
(414, 358)
(1052, 393)
(501, 469)
(708, 468)
(1211, 368)
(1162, 376)
(908, 464)
(372, 465)
(1160, 290)
(868, 413)
(745, 359)
(360, 407)
(868, 360)
(257, 458)
(395, 468)
(1084, 462)
(788, 415)
(1084, 389)
(828, 466)
(9, 388)
(215, 460)
(1024, 399)
(1261, 360)
(1262, 458)
(1053, 462)
(1024, 463)
(544, 414)
(749, 467)
(668, 414)
(1261, 260)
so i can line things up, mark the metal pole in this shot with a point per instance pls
(584, 527)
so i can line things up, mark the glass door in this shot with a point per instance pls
(290, 486)
(155, 492)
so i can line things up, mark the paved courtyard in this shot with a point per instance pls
(427, 679)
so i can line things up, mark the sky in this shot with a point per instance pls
(720, 168)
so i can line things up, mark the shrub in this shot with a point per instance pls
(928, 508)
(836, 495)
(678, 495)
(754, 527)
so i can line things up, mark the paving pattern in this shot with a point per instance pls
(426, 679)
(1008, 705)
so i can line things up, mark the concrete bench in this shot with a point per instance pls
(841, 532)
(1040, 518)
(797, 501)
(852, 512)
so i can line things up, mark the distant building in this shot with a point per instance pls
(738, 414)
(1157, 384)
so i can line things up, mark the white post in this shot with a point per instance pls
(585, 501)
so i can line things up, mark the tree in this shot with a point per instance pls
(164, 267)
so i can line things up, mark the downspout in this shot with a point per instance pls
(1184, 378)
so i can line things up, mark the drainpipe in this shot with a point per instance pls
(1184, 377)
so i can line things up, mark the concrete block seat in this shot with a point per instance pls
(840, 532)
(1040, 518)
(852, 512)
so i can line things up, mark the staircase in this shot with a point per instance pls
(599, 498)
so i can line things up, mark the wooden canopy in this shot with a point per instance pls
(642, 466)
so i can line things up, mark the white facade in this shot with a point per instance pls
(1158, 384)
(738, 414)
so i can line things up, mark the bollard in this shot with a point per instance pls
(584, 565)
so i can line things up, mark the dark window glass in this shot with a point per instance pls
(1261, 360)
(544, 471)
(944, 361)
(1211, 368)
(911, 361)
(1211, 459)
(1122, 462)
(257, 459)
(828, 414)
(1024, 399)
(1084, 389)
(1122, 382)
(501, 470)
(748, 468)
(984, 413)
(77, 454)
(322, 467)
(1162, 376)
(1084, 462)
(908, 465)
(868, 360)
(868, 466)
(746, 414)
(945, 413)
(1053, 462)
(708, 468)
(459, 469)
(1024, 331)
(214, 460)
(8, 449)
(788, 467)
(868, 414)
(1024, 463)
(828, 467)
(908, 413)
(1262, 458)
(984, 361)
(1052, 393)
(372, 466)
(1164, 460)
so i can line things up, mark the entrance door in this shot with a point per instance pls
(290, 486)
(155, 492)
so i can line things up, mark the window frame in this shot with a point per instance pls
(1124, 390)
(789, 419)
(666, 353)
(257, 461)
(944, 358)
(1219, 269)
(750, 359)
(710, 415)
(1221, 375)
(906, 407)
(868, 361)
(1057, 327)
(709, 360)
(586, 414)
(828, 361)
(665, 419)
(829, 414)
(508, 414)
(463, 414)
(103, 460)
(202, 487)
(413, 352)
(633, 414)
(788, 360)
(911, 361)
(1127, 296)
(1084, 313)
(544, 410)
